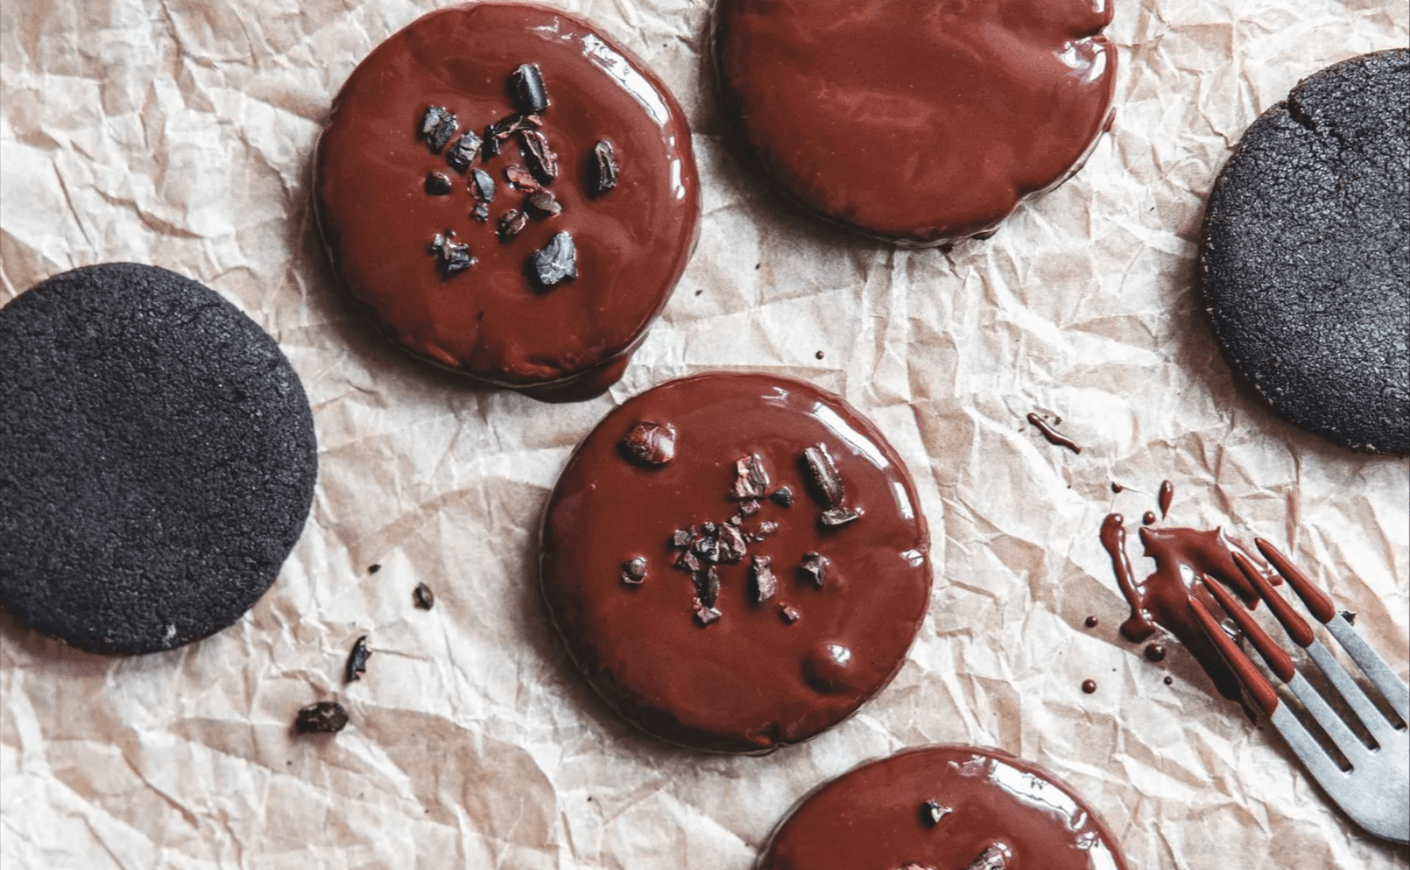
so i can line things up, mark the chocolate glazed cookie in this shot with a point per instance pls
(1305, 254)
(736, 561)
(157, 459)
(510, 194)
(916, 122)
(943, 808)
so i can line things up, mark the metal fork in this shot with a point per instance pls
(1375, 792)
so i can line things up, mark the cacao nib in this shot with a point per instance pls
(682, 538)
(839, 516)
(542, 160)
(482, 186)
(824, 475)
(813, 569)
(732, 544)
(527, 90)
(357, 660)
(707, 586)
(992, 858)
(437, 126)
(511, 224)
(481, 213)
(765, 584)
(556, 262)
(454, 256)
(783, 497)
(437, 183)
(720, 543)
(490, 143)
(521, 178)
(423, 596)
(652, 444)
(765, 529)
(788, 614)
(542, 205)
(751, 480)
(604, 165)
(324, 717)
(464, 151)
(931, 813)
(687, 562)
(634, 571)
(706, 615)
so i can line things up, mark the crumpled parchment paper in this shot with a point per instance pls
(179, 133)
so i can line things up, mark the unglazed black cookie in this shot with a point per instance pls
(943, 808)
(736, 561)
(1306, 254)
(157, 459)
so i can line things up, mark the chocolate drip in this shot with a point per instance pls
(1053, 436)
(1167, 493)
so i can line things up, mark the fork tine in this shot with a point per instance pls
(1280, 663)
(1354, 696)
(1259, 690)
(1296, 627)
(1371, 664)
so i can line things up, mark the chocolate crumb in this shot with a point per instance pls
(423, 596)
(527, 90)
(464, 151)
(839, 516)
(604, 164)
(324, 717)
(654, 444)
(454, 256)
(542, 205)
(437, 126)
(511, 224)
(788, 614)
(542, 160)
(357, 660)
(765, 584)
(634, 571)
(824, 475)
(1089, 686)
(814, 569)
(931, 813)
(751, 480)
(437, 183)
(556, 262)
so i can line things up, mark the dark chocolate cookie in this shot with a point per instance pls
(736, 561)
(510, 195)
(1306, 254)
(157, 459)
(944, 807)
(917, 122)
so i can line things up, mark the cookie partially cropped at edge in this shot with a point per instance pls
(736, 561)
(1305, 254)
(510, 194)
(157, 459)
(919, 123)
(946, 808)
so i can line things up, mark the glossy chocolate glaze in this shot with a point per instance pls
(756, 678)
(867, 819)
(570, 341)
(917, 122)
(1054, 437)
(1181, 557)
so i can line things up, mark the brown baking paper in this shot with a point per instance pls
(179, 133)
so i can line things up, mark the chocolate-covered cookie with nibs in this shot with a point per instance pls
(760, 628)
(565, 280)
